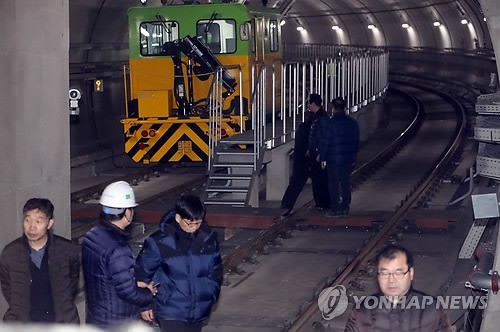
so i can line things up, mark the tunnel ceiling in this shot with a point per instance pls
(102, 21)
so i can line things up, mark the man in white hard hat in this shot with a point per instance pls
(113, 295)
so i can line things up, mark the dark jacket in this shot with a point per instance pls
(415, 317)
(341, 141)
(108, 268)
(300, 160)
(188, 268)
(64, 271)
(318, 131)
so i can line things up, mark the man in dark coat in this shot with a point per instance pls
(39, 271)
(398, 307)
(183, 258)
(112, 292)
(317, 135)
(338, 150)
(301, 166)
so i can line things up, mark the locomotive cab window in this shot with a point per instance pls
(218, 35)
(154, 34)
(273, 36)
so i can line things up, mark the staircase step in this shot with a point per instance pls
(230, 177)
(225, 202)
(236, 141)
(233, 164)
(236, 152)
(227, 189)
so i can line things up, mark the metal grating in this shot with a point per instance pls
(472, 239)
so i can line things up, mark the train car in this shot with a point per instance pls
(174, 51)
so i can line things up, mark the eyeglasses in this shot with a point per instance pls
(395, 275)
(192, 223)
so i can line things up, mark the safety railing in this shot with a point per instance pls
(215, 101)
(258, 106)
(359, 76)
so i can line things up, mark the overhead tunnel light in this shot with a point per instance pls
(371, 26)
(436, 23)
(464, 21)
(282, 23)
(405, 25)
(300, 29)
(335, 27)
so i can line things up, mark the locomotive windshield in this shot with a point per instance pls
(218, 35)
(155, 34)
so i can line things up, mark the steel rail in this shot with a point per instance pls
(233, 259)
(301, 322)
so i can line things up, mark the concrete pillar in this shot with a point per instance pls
(34, 115)
(491, 10)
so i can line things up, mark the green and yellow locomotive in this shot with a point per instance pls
(174, 53)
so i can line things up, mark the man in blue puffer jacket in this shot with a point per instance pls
(183, 258)
(112, 292)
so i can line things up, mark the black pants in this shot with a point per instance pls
(319, 181)
(178, 326)
(339, 177)
(297, 182)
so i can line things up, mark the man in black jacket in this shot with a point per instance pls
(301, 166)
(398, 307)
(39, 271)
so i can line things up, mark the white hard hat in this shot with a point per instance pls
(118, 195)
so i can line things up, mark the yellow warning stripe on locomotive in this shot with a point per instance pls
(172, 139)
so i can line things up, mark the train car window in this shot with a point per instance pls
(154, 34)
(273, 33)
(218, 35)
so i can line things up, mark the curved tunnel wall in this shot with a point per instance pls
(99, 46)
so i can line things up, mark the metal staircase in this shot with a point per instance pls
(236, 165)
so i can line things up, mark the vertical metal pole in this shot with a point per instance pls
(241, 99)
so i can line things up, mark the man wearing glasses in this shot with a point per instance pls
(183, 259)
(398, 307)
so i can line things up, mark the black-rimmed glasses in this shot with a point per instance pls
(395, 275)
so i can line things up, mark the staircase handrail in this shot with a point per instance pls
(215, 102)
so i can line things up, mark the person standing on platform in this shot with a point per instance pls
(301, 166)
(319, 177)
(113, 295)
(39, 271)
(338, 151)
(183, 258)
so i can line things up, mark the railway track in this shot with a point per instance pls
(396, 221)
(371, 229)
(298, 247)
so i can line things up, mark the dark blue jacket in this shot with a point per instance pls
(341, 141)
(188, 268)
(318, 132)
(108, 268)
